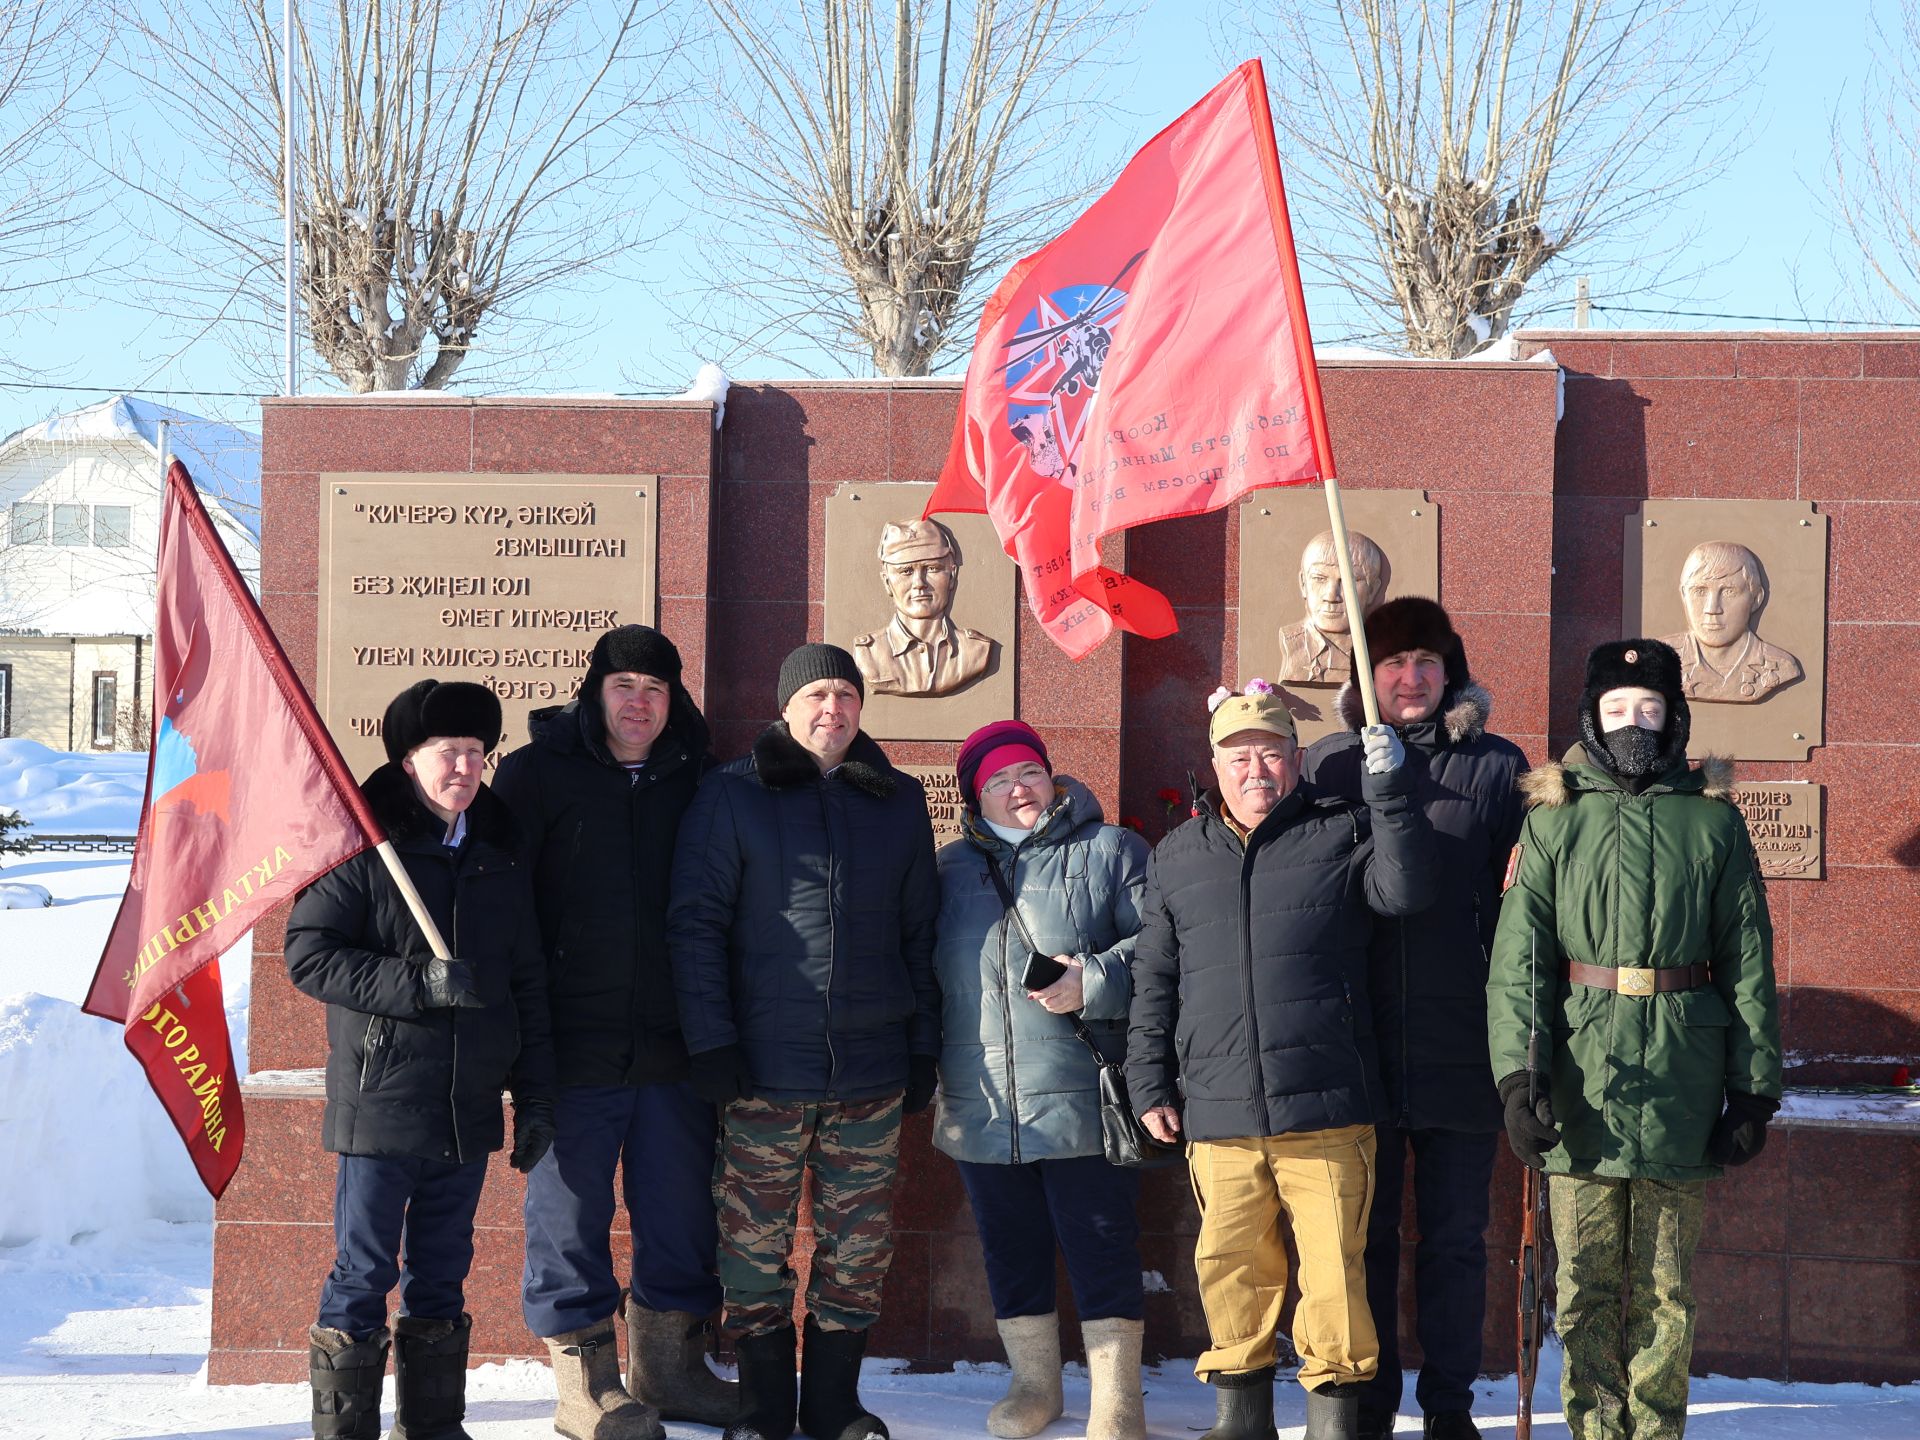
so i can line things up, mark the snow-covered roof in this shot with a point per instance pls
(223, 459)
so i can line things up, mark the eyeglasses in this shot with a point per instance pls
(1029, 777)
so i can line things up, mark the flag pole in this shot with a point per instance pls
(1310, 370)
(435, 941)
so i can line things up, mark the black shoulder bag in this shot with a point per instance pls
(1123, 1139)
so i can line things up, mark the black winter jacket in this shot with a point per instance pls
(802, 921)
(598, 842)
(403, 1080)
(1428, 973)
(1250, 1010)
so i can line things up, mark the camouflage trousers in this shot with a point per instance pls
(852, 1152)
(1625, 1283)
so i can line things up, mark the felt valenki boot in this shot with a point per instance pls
(768, 1389)
(1117, 1410)
(830, 1407)
(1033, 1400)
(1243, 1406)
(346, 1375)
(667, 1367)
(430, 1378)
(593, 1403)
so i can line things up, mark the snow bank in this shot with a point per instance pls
(64, 793)
(20, 896)
(710, 382)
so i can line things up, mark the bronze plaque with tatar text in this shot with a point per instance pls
(1784, 819)
(502, 580)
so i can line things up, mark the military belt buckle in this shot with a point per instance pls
(1635, 980)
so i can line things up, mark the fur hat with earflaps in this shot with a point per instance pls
(1413, 622)
(642, 650)
(430, 708)
(1639, 664)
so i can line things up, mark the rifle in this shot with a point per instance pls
(1533, 1220)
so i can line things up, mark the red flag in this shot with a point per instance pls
(247, 800)
(1154, 361)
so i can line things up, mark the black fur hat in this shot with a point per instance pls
(1413, 622)
(429, 708)
(641, 650)
(1641, 664)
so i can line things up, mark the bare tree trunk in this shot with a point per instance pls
(1448, 152)
(454, 157)
(885, 155)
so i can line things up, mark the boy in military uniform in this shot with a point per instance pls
(1634, 936)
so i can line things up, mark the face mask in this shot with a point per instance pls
(1632, 750)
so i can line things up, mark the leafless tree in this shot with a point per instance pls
(454, 158)
(48, 58)
(1447, 153)
(1874, 181)
(871, 164)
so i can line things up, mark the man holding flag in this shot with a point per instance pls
(419, 1048)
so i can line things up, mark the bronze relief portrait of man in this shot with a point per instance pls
(921, 651)
(1722, 656)
(1317, 649)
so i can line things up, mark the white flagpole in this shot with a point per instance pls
(287, 189)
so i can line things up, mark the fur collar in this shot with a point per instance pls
(397, 807)
(1463, 712)
(1547, 785)
(783, 763)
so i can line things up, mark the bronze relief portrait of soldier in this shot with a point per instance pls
(1317, 649)
(921, 652)
(1722, 657)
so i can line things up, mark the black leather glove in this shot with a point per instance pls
(923, 1074)
(1741, 1133)
(1530, 1128)
(449, 985)
(718, 1076)
(533, 1133)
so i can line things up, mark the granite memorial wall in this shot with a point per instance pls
(492, 540)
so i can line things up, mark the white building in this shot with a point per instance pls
(79, 530)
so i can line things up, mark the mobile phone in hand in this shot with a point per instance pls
(1041, 971)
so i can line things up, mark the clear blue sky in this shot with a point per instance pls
(1758, 222)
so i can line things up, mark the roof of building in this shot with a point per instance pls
(223, 460)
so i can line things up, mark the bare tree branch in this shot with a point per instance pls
(873, 164)
(456, 158)
(1448, 154)
(1874, 184)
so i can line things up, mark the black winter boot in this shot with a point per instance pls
(430, 1378)
(346, 1375)
(1450, 1425)
(768, 1389)
(1243, 1404)
(1333, 1412)
(830, 1407)
(1375, 1423)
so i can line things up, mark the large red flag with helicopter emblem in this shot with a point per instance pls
(247, 800)
(1153, 361)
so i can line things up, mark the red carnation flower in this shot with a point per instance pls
(1902, 1075)
(1167, 795)
(1133, 822)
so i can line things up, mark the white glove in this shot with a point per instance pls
(1383, 747)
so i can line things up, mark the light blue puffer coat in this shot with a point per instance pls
(1016, 1083)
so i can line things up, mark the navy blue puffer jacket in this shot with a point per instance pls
(801, 926)
(1250, 1010)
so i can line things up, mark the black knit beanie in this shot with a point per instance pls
(1640, 664)
(809, 663)
(1413, 622)
(429, 708)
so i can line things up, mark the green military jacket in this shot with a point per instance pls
(1664, 878)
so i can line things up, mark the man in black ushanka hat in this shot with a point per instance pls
(418, 1049)
(599, 790)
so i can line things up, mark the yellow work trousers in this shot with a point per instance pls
(1322, 1182)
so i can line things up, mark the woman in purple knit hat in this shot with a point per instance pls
(1019, 1092)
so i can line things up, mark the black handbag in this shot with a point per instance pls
(1123, 1139)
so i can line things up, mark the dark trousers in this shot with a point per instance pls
(662, 1139)
(1086, 1207)
(399, 1218)
(1453, 1172)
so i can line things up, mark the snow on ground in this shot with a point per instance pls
(64, 793)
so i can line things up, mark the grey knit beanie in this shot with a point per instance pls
(809, 663)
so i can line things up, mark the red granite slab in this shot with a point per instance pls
(402, 437)
(1857, 439)
(1830, 359)
(630, 438)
